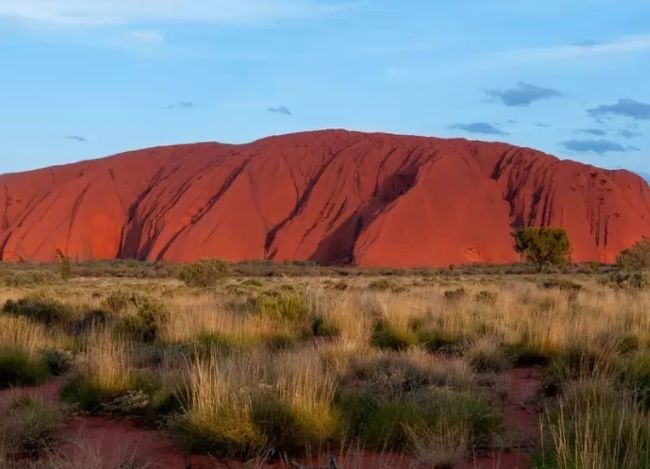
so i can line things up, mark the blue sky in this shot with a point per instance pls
(86, 78)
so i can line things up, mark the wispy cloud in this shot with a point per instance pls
(280, 110)
(182, 105)
(139, 11)
(624, 107)
(600, 147)
(524, 94)
(478, 128)
(145, 36)
(76, 138)
(596, 132)
(622, 45)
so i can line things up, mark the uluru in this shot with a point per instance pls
(334, 197)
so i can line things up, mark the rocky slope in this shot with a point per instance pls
(329, 196)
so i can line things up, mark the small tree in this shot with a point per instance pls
(65, 266)
(635, 258)
(543, 246)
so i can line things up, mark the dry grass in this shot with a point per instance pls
(327, 366)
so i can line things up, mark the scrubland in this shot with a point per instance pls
(269, 368)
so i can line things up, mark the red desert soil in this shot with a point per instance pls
(329, 196)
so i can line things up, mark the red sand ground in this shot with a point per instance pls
(114, 441)
(330, 196)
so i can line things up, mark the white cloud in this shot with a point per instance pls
(133, 11)
(145, 36)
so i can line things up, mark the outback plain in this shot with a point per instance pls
(260, 364)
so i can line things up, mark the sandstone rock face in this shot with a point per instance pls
(330, 196)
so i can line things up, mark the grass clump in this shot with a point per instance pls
(486, 355)
(104, 374)
(404, 421)
(387, 336)
(594, 426)
(18, 368)
(635, 376)
(29, 426)
(322, 326)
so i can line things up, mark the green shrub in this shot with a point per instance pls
(206, 273)
(322, 327)
(282, 305)
(40, 309)
(486, 297)
(390, 424)
(294, 429)
(145, 325)
(58, 362)
(527, 355)
(382, 284)
(17, 368)
(635, 258)
(455, 295)
(223, 434)
(121, 301)
(629, 280)
(438, 340)
(30, 426)
(386, 336)
(561, 284)
(635, 376)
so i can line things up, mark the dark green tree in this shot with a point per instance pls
(543, 246)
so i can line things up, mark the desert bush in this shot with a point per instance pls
(146, 323)
(382, 284)
(635, 258)
(394, 373)
(282, 305)
(204, 273)
(629, 279)
(40, 309)
(30, 425)
(123, 301)
(388, 336)
(455, 295)
(561, 284)
(58, 361)
(324, 327)
(486, 297)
